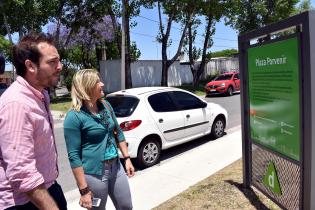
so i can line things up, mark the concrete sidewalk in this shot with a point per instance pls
(155, 185)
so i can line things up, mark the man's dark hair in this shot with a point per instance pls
(27, 49)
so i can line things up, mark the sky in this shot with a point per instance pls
(144, 34)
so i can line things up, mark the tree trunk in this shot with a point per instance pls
(164, 79)
(201, 68)
(7, 28)
(128, 79)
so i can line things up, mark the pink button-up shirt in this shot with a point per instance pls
(28, 155)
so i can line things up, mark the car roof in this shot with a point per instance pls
(140, 91)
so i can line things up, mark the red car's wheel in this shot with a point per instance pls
(229, 91)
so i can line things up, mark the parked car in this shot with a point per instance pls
(157, 118)
(3, 87)
(226, 83)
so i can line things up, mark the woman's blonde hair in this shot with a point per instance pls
(82, 85)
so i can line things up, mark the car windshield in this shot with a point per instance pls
(223, 77)
(123, 106)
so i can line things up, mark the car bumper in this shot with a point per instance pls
(219, 90)
(133, 145)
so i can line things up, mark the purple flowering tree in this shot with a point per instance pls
(80, 47)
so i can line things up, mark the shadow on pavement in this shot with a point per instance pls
(249, 194)
(177, 150)
(174, 151)
(221, 95)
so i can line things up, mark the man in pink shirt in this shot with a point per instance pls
(28, 155)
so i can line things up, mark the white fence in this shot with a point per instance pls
(149, 72)
(221, 65)
(144, 73)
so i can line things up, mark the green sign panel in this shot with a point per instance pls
(274, 96)
(271, 179)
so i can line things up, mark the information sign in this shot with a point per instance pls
(273, 71)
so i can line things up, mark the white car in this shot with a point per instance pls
(157, 118)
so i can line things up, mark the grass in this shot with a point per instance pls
(223, 190)
(61, 103)
(198, 91)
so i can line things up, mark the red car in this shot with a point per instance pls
(226, 83)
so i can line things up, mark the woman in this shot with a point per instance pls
(92, 150)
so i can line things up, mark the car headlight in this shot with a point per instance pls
(222, 85)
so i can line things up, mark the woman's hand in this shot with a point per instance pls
(129, 168)
(86, 200)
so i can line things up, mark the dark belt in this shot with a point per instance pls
(110, 161)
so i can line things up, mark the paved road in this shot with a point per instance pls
(231, 104)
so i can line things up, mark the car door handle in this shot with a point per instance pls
(188, 116)
(160, 120)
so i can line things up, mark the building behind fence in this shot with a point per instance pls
(149, 72)
(221, 65)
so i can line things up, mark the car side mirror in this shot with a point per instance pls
(204, 104)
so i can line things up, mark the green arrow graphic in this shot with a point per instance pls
(271, 179)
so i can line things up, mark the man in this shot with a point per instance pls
(28, 156)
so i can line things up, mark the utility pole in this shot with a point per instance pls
(123, 42)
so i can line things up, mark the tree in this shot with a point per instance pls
(304, 5)
(212, 10)
(174, 10)
(23, 16)
(131, 9)
(85, 40)
(80, 51)
(75, 37)
(244, 15)
(5, 48)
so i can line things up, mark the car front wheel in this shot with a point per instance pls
(229, 91)
(149, 153)
(217, 129)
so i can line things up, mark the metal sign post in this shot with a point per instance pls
(278, 123)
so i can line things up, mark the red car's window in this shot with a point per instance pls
(223, 77)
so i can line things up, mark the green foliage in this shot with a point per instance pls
(222, 53)
(112, 51)
(25, 15)
(198, 91)
(212, 11)
(244, 15)
(5, 48)
(304, 5)
(134, 51)
(210, 77)
(68, 76)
